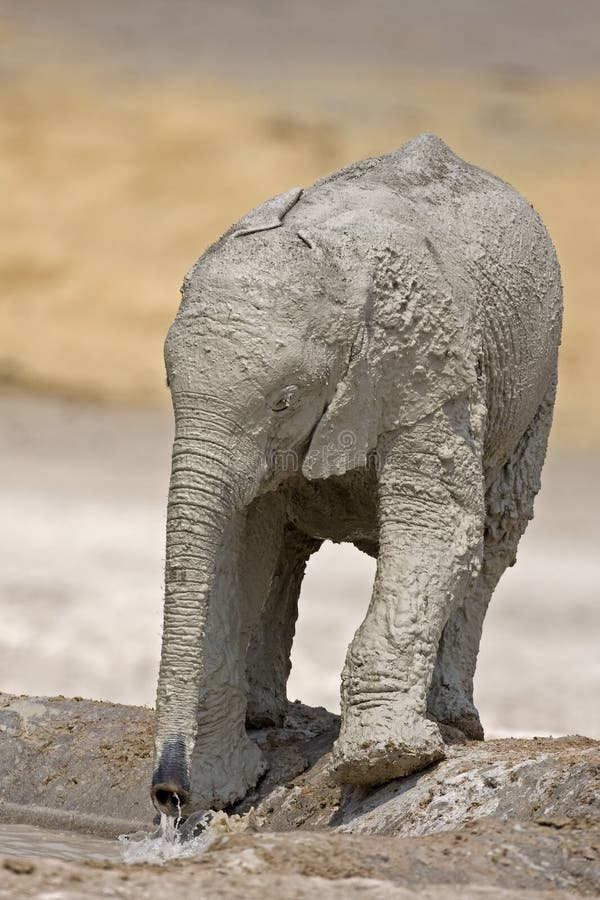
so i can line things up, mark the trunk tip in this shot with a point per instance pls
(169, 798)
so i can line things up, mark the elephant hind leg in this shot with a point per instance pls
(509, 507)
(268, 658)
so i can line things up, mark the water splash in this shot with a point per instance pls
(170, 841)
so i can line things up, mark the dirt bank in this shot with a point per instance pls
(496, 820)
(85, 765)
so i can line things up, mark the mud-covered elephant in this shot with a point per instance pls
(370, 360)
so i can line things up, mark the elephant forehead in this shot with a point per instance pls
(215, 352)
(274, 311)
(237, 330)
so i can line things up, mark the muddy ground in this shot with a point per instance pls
(500, 819)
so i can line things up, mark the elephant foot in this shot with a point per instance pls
(373, 750)
(227, 778)
(452, 708)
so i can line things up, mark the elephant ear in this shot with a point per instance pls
(347, 430)
(268, 215)
(419, 347)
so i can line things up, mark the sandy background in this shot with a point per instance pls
(131, 136)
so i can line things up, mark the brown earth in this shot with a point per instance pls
(499, 819)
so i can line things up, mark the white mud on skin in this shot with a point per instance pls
(168, 842)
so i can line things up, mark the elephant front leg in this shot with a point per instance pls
(431, 525)
(268, 662)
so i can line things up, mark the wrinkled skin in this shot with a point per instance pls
(372, 360)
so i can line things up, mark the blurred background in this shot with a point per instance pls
(132, 134)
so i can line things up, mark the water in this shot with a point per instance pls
(167, 842)
(27, 840)
(170, 842)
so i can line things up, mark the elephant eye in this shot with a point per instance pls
(285, 399)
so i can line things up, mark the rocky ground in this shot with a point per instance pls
(499, 819)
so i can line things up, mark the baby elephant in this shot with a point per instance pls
(371, 360)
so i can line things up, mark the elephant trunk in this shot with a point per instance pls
(203, 495)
